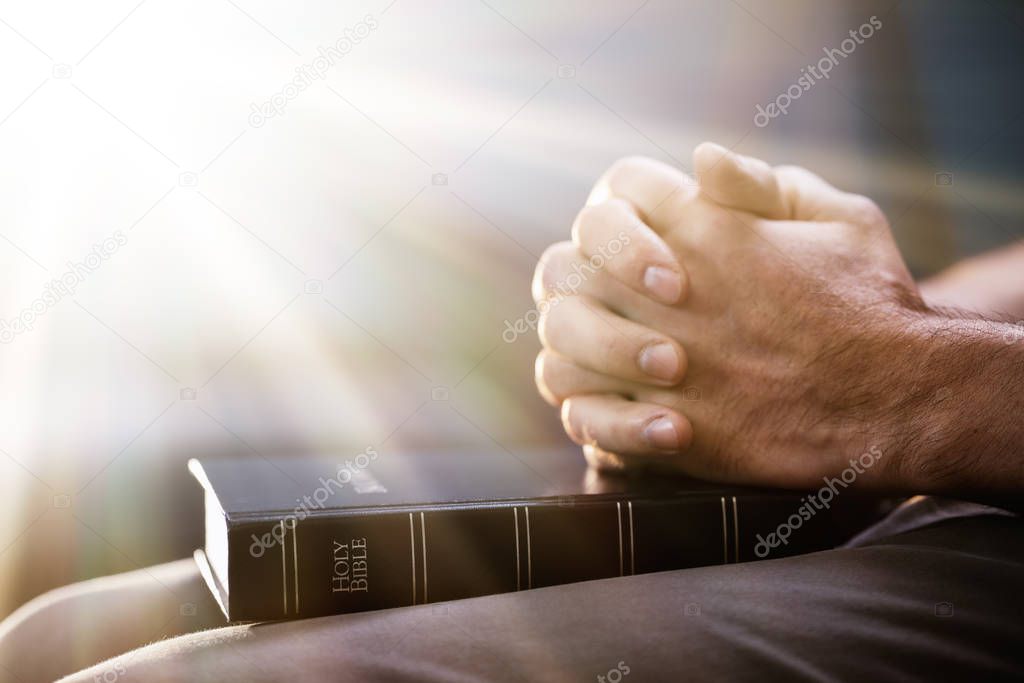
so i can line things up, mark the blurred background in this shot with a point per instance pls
(337, 274)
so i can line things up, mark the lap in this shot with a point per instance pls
(878, 611)
(76, 626)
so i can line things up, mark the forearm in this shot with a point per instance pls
(990, 285)
(962, 425)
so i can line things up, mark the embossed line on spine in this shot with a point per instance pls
(423, 539)
(295, 558)
(515, 518)
(618, 510)
(284, 565)
(632, 550)
(529, 550)
(412, 555)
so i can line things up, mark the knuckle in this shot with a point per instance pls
(632, 266)
(800, 176)
(598, 222)
(542, 378)
(556, 253)
(632, 430)
(708, 225)
(553, 265)
(707, 154)
(544, 328)
(625, 167)
(790, 168)
(625, 350)
(683, 361)
(569, 416)
(586, 219)
(555, 319)
(866, 212)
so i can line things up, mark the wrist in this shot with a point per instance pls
(951, 415)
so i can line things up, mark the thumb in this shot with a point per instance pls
(779, 193)
(738, 181)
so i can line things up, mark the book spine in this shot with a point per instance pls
(351, 562)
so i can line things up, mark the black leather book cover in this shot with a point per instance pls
(296, 537)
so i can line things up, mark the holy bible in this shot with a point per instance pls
(288, 538)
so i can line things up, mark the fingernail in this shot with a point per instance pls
(661, 433)
(663, 283)
(660, 361)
